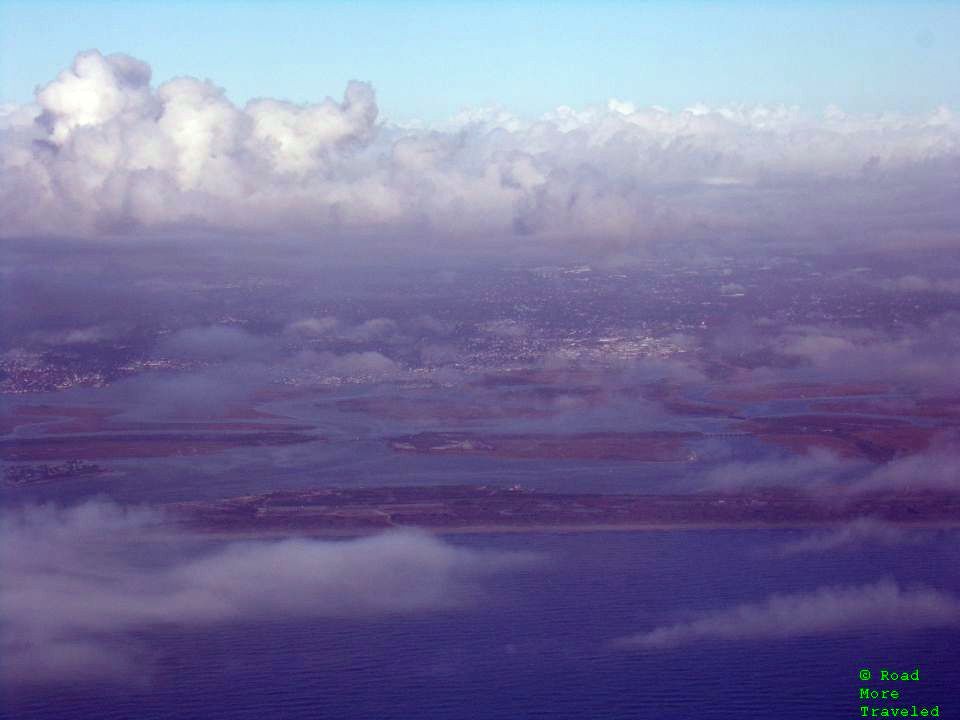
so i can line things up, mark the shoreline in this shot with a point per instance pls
(478, 510)
(560, 529)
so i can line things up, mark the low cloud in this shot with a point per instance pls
(370, 365)
(855, 535)
(935, 469)
(924, 353)
(214, 343)
(76, 336)
(816, 469)
(314, 327)
(199, 394)
(369, 330)
(78, 583)
(828, 610)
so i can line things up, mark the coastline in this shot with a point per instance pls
(559, 529)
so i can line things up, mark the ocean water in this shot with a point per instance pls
(538, 643)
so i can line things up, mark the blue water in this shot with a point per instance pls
(538, 644)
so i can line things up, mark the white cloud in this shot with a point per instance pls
(314, 327)
(808, 471)
(937, 468)
(925, 353)
(104, 153)
(359, 363)
(74, 589)
(828, 610)
(855, 534)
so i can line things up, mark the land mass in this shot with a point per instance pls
(492, 509)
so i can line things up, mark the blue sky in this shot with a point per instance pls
(427, 60)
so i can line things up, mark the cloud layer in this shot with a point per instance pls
(77, 583)
(102, 152)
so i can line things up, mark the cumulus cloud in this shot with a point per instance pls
(101, 151)
(827, 610)
(78, 583)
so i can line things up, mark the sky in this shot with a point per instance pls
(428, 60)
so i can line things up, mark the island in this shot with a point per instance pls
(481, 509)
